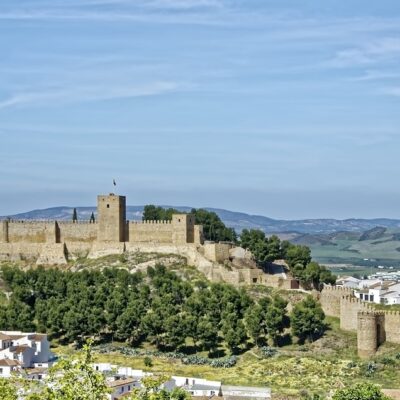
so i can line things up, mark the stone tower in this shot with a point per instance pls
(370, 332)
(111, 217)
(183, 229)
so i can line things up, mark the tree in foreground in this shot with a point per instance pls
(361, 391)
(151, 390)
(307, 320)
(8, 390)
(74, 380)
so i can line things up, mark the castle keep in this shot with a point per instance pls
(53, 242)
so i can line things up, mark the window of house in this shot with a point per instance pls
(108, 206)
(254, 280)
(1, 370)
(371, 297)
(361, 296)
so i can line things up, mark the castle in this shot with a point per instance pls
(56, 242)
(373, 326)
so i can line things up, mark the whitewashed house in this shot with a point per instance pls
(386, 292)
(121, 386)
(348, 282)
(196, 387)
(30, 349)
(8, 367)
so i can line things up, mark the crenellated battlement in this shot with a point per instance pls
(79, 222)
(151, 222)
(337, 289)
(371, 312)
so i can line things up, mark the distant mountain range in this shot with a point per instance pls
(232, 219)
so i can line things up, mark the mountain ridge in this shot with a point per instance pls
(236, 220)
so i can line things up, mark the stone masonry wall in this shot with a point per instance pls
(150, 232)
(330, 299)
(349, 308)
(29, 231)
(81, 231)
(392, 326)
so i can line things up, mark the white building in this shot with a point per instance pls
(348, 282)
(386, 292)
(29, 349)
(8, 367)
(120, 386)
(196, 387)
(245, 392)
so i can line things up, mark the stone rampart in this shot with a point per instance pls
(218, 252)
(71, 232)
(392, 326)
(150, 232)
(330, 299)
(349, 308)
(30, 231)
(20, 251)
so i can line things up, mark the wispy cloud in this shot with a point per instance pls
(88, 93)
(372, 52)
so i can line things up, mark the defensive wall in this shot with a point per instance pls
(55, 242)
(373, 326)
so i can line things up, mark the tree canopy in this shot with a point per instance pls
(266, 249)
(307, 320)
(157, 307)
(360, 391)
(213, 228)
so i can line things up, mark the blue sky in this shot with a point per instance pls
(289, 109)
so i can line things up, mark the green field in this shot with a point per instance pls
(348, 248)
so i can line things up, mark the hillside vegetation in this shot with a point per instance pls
(146, 314)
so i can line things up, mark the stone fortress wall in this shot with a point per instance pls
(56, 242)
(373, 326)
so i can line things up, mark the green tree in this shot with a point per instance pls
(74, 215)
(295, 254)
(254, 320)
(151, 390)
(75, 379)
(275, 318)
(8, 390)
(213, 227)
(361, 391)
(307, 320)
(263, 249)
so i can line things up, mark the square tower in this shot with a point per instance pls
(111, 217)
(183, 228)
